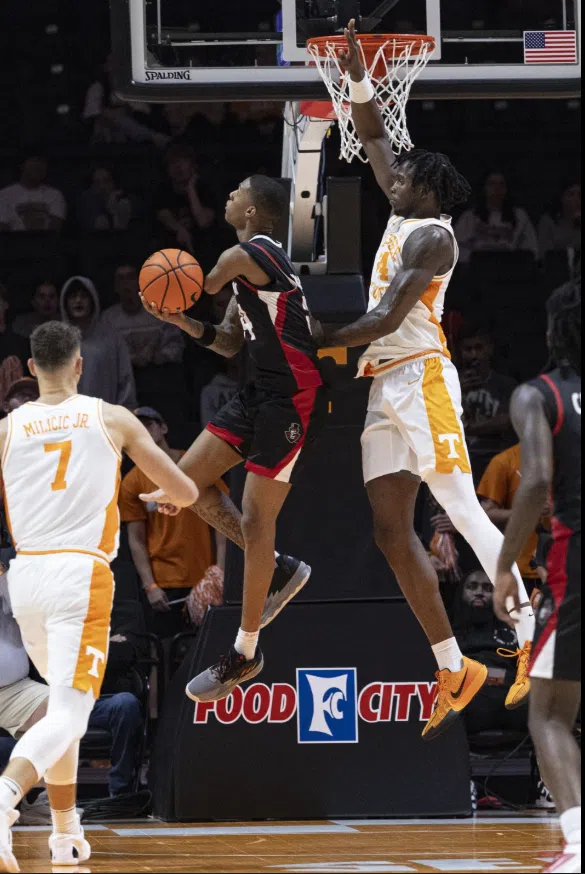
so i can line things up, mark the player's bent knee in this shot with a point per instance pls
(126, 706)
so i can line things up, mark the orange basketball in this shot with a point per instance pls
(171, 279)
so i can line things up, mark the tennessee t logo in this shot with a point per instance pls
(451, 439)
(98, 657)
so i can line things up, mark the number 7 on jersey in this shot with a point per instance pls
(60, 483)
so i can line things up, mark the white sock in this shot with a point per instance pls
(571, 825)
(448, 655)
(10, 794)
(246, 643)
(65, 822)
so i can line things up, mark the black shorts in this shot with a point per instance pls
(272, 433)
(556, 654)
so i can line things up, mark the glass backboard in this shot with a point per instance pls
(181, 50)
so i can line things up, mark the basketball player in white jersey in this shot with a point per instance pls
(413, 428)
(61, 473)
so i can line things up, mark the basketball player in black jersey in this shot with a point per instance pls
(547, 416)
(268, 426)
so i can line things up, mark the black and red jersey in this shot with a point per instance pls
(276, 323)
(561, 391)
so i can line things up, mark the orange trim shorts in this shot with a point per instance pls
(63, 605)
(414, 421)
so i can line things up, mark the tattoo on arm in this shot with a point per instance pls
(230, 334)
(219, 511)
(427, 253)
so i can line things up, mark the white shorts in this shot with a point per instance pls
(414, 421)
(63, 605)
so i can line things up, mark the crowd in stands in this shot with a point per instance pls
(75, 225)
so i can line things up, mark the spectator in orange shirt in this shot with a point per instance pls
(171, 553)
(496, 491)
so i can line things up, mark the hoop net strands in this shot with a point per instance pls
(393, 62)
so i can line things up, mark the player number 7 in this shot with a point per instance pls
(60, 483)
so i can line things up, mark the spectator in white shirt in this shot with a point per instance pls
(149, 341)
(29, 204)
(495, 224)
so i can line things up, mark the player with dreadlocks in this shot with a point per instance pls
(546, 413)
(413, 429)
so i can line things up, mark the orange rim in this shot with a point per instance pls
(371, 42)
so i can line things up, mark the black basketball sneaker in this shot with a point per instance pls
(290, 576)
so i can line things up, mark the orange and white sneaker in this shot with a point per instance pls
(520, 688)
(456, 690)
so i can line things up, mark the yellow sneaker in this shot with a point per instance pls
(520, 688)
(456, 690)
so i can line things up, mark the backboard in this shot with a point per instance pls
(193, 50)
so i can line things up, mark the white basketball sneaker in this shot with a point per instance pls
(69, 850)
(8, 861)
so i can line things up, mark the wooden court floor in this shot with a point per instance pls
(497, 843)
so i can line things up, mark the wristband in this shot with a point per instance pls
(208, 336)
(361, 92)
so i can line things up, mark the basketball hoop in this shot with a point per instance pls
(392, 61)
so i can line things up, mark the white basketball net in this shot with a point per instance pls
(392, 70)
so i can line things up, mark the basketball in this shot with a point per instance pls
(172, 279)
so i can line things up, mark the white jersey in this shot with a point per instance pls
(420, 334)
(61, 474)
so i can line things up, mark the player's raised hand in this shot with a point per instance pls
(350, 59)
(164, 315)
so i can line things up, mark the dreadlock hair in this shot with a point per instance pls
(435, 173)
(564, 326)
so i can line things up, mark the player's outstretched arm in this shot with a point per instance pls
(536, 443)
(133, 438)
(367, 117)
(427, 253)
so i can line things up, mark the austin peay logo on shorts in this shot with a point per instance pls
(293, 434)
(546, 608)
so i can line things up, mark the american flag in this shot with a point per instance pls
(550, 47)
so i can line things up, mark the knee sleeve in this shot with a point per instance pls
(456, 494)
(47, 742)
